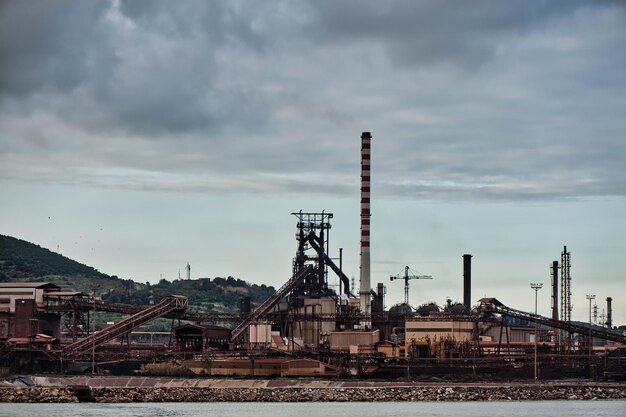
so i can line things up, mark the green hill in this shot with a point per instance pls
(23, 261)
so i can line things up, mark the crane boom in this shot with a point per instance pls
(406, 279)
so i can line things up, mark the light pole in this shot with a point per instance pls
(93, 335)
(590, 297)
(536, 287)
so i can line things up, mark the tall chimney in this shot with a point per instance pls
(467, 282)
(364, 293)
(609, 313)
(555, 290)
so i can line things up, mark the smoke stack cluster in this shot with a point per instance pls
(364, 293)
(467, 282)
(609, 313)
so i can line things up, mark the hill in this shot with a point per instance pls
(24, 261)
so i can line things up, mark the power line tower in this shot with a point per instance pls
(406, 279)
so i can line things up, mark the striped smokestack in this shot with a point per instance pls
(364, 293)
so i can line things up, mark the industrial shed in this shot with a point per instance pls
(200, 338)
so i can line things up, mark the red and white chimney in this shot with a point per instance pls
(364, 291)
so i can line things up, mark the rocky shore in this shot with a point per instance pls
(37, 395)
(42, 394)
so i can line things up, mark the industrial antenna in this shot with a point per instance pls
(406, 279)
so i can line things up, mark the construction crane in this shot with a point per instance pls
(406, 279)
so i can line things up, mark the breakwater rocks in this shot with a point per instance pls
(37, 395)
(441, 393)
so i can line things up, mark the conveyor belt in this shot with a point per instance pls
(604, 334)
(167, 306)
(268, 304)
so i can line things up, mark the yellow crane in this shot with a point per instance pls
(406, 279)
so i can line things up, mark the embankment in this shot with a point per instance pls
(159, 390)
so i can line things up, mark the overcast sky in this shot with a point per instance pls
(137, 136)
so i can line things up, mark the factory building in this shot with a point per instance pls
(23, 311)
(309, 332)
(11, 292)
(436, 330)
(354, 341)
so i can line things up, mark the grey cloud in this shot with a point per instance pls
(46, 44)
(147, 68)
(431, 32)
(197, 96)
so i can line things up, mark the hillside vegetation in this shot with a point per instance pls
(24, 261)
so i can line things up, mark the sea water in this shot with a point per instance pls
(601, 408)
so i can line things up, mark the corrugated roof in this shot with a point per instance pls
(200, 326)
(28, 285)
(356, 331)
(38, 338)
(491, 300)
(64, 294)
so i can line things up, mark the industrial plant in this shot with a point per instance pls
(309, 328)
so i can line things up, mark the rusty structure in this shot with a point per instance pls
(169, 305)
(487, 334)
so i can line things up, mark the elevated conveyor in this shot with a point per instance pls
(268, 304)
(86, 305)
(169, 305)
(491, 305)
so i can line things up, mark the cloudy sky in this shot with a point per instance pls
(137, 136)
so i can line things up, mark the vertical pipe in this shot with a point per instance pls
(364, 293)
(609, 313)
(341, 269)
(467, 282)
(321, 263)
(555, 290)
(93, 335)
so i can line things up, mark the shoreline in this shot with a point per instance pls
(150, 389)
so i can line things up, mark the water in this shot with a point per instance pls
(611, 408)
